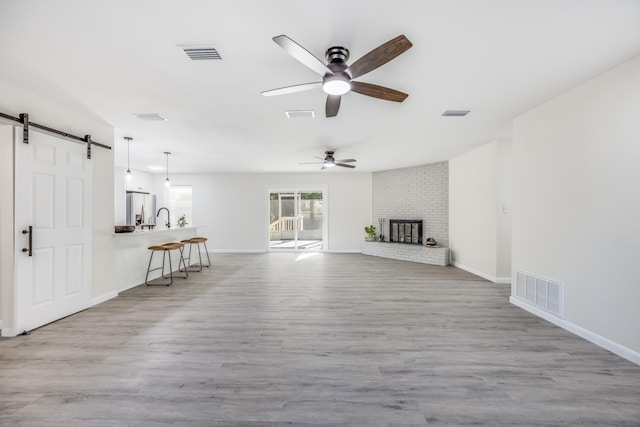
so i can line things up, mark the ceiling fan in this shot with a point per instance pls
(337, 76)
(329, 161)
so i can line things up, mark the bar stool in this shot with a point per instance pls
(166, 248)
(196, 241)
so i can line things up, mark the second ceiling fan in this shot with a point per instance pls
(329, 161)
(337, 76)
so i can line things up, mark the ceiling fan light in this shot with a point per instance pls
(336, 86)
(329, 164)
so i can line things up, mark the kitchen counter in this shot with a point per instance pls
(155, 231)
(132, 255)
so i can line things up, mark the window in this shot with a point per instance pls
(180, 203)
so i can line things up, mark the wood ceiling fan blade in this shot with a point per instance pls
(346, 161)
(292, 89)
(380, 56)
(376, 91)
(344, 165)
(333, 105)
(302, 54)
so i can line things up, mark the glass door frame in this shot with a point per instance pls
(296, 190)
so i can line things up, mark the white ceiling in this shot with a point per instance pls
(498, 58)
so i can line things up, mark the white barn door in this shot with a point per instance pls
(53, 180)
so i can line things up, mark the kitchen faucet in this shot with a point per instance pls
(168, 223)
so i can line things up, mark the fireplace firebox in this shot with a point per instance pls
(405, 231)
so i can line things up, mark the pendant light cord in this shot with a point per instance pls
(167, 153)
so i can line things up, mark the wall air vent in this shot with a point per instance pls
(201, 53)
(151, 117)
(539, 292)
(455, 113)
(300, 114)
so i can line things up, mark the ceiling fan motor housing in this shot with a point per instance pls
(337, 81)
(337, 54)
(329, 157)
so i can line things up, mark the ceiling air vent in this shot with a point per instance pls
(201, 53)
(300, 114)
(455, 113)
(151, 117)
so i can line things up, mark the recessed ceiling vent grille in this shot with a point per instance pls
(201, 53)
(300, 114)
(539, 292)
(151, 117)
(455, 113)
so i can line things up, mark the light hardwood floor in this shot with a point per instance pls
(315, 340)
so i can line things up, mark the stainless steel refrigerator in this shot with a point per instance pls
(141, 208)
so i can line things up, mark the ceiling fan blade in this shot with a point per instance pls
(345, 165)
(302, 54)
(311, 163)
(346, 161)
(333, 105)
(376, 91)
(292, 89)
(380, 56)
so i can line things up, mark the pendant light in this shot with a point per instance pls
(167, 183)
(128, 174)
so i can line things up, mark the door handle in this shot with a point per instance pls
(29, 231)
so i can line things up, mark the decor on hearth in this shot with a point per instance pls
(371, 233)
(430, 241)
(381, 221)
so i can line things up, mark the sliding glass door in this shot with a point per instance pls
(296, 220)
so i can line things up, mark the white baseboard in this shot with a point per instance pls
(494, 279)
(8, 332)
(607, 344)
(237, 251)
(102, 298)
(261, 251)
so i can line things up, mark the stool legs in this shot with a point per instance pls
(206, 251)
(199, 265)
(149, 269)
(166, 251)
(184, 264)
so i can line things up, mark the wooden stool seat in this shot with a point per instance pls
(173, 245)
(166, 248)
(196, 241)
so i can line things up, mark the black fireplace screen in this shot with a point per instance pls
(405, 231)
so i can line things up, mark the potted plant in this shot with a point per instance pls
(182, 221)
(371, 233)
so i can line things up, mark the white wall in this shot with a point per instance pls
(480, 229)
(47, 112)
(234, 207)
(503, 202)
(576, 202)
